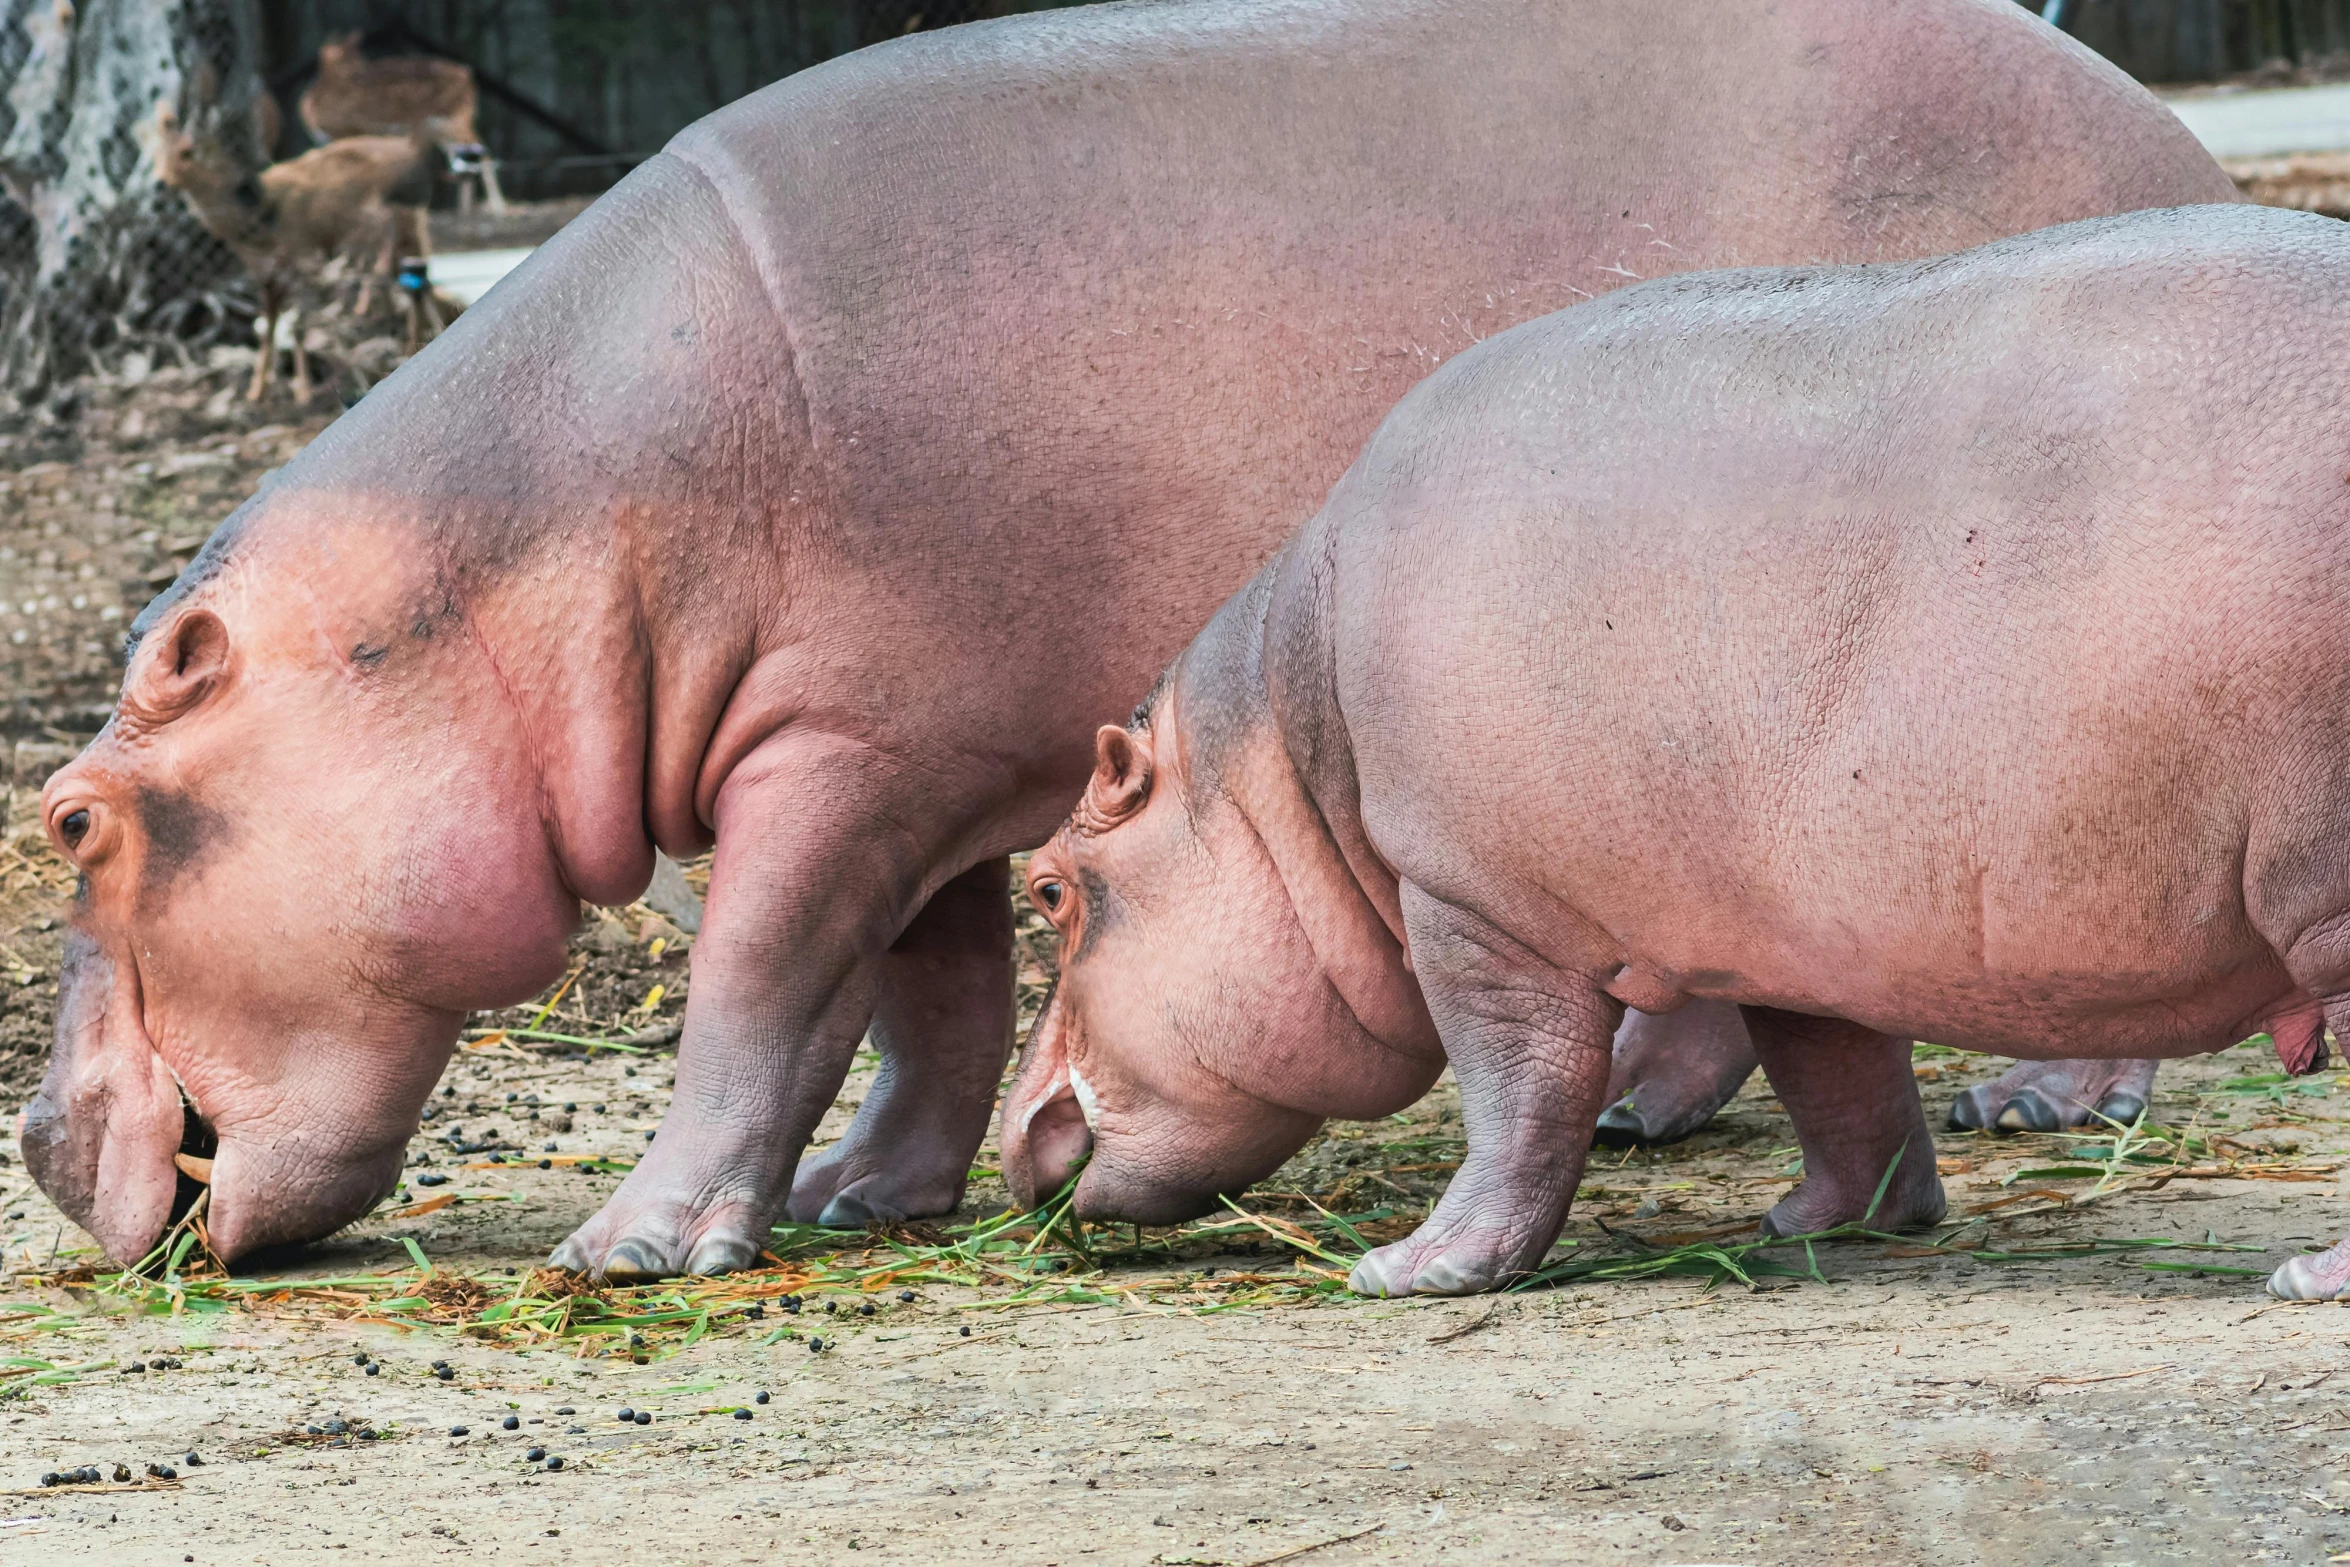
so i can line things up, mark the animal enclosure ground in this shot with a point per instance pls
(2019, 1395)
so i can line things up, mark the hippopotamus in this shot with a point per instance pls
(819, 492)
(1949, 649)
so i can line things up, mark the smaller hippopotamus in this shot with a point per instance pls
(1947, 650)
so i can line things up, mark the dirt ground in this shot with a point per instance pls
(1211, 1398)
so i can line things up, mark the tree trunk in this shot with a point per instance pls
(98, 254)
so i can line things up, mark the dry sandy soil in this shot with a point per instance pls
(1907, 1405)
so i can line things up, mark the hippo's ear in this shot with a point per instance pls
(1121, 777)
(187, 666)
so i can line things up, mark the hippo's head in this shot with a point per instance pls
(298, 873)
(1203, 1026)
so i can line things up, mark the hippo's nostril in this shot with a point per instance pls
(197, 1141)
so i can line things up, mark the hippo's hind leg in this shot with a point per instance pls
(2048, 1096)
(1672, 1071)
(1854, 1101)
(942, 1021)
(1529, 1044)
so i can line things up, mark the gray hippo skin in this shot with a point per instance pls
(1952, 649)
(820, 491)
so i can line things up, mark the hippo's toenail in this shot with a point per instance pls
(1620, 1126)
(633, 1259)
(2028, 1112)
(1442, 1278)
(2121, 1105)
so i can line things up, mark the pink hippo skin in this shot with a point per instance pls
(1952, 649)
(821, 490)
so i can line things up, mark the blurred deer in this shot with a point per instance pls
(359, 200)
(401, 95)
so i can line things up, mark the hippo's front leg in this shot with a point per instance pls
(806, 893)
(942, 1021)
(1528, 1042)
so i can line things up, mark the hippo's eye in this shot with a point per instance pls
(74, 828)
(1049, 894)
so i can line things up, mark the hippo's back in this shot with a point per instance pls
(1108, 297)
(1974, 622)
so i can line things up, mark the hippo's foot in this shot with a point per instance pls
(1867, 1156)
(1671, 1071)
(1913, 1200)
(654, 1227)
(2322, 1275)
(1438, 1265)
(2048, 1096)
(876, 1179)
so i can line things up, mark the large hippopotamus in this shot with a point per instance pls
(1950, 649)
(820, 491)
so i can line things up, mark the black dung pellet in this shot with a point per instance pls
(648, 1137)
(191, 1460)
(831, 1306)
(367, 1433)
(439, 1364)
(556, 1462)
(512, 1423)
(567, 1410)
(338, 1428)
(966, 1330)
(432, 1180)
(757, 1313)
(162, 1472)
(742, 1414)
(122, 1474)
(460, 1430)
(534, 1455)
(814, 1345)
(791, 1305)
(627, 1415)
(446, 1374)
(510, 1098)
(359, 1359)
(136, 1365)
(628, 1071)
(644, 1417)
(313, 1431)
(568, 1107)
(371, 1368)
(546, 1164)
(759, 1397)
(50, 1479)
(866, 1310)
(905, 1297)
